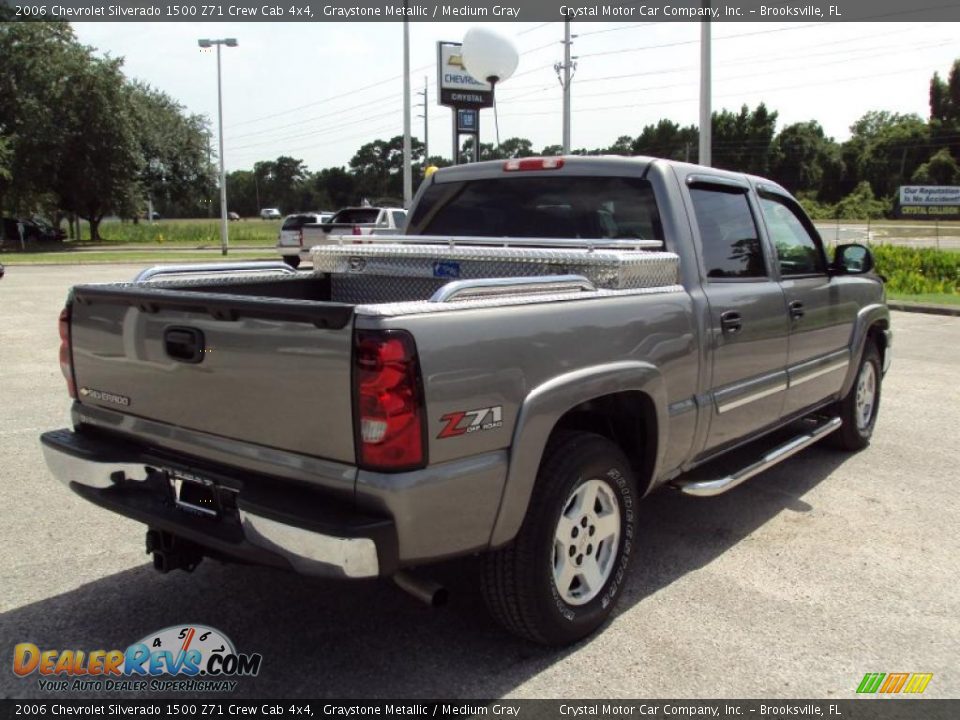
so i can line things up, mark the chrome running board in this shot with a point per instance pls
(709, 488)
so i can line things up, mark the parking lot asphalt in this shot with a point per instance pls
(795, 584)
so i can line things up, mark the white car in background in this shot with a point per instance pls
(290, 237)
(270, 214)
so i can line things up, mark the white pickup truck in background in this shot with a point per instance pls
(290, 237)
(353, 221)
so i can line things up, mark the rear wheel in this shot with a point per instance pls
(292, 260)
(559, 579)
(859, 408)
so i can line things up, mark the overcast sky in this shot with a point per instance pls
(317, 91)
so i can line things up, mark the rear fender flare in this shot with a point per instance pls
(543, 408)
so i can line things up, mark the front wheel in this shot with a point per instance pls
(559, 579)
(292, 260)
(859, 408)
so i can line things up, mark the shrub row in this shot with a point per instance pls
(918, 270)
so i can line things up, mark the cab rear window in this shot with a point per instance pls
(556, 207)
(295, 222)
(356, 216)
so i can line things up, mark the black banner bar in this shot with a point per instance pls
(218, 707)
(483, 11)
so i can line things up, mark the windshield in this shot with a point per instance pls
(563, 206)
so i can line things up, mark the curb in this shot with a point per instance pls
(924, 308)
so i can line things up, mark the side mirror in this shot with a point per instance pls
(853, 259)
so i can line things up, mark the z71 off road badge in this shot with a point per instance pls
(469, 421)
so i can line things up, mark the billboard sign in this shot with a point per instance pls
(455, 86)
(935, 202)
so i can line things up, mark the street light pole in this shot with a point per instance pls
(566, 87)
(706, 116)
(407, 150)
(206, 43)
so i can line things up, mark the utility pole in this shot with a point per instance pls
(426, 123)
(210, 164)
(407, 159)
(568, 66)
(706, 116)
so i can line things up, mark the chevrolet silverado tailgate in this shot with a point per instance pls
(270, 371)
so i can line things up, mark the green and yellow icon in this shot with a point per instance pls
(892, 683)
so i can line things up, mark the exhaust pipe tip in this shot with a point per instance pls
(426, 591)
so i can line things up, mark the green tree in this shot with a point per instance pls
(378, 166)
(742, 142)
(516, 147)
(175, 172)
(622, 146)
(667, 139)
(98, 162)
(861, 204)
(945, 110)
(940, 169)
(241, 194)
(37, 59)
(885, 149)
(487, 151)
(338, 185)
(803, 158)
(282, 183)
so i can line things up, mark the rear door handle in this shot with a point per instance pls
(796, 310)
(731, 322)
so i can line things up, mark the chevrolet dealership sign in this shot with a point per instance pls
(456, 87)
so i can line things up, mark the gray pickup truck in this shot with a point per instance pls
(550, 341)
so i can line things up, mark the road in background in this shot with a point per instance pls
(944, 236)
(794, 584)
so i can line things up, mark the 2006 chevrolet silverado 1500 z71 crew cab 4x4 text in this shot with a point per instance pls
(552, 339)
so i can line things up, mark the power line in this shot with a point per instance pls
(696, 41)
(738, 94)
(303, 121)
(616, 29)
(753, 74)
(533, 29)
(766, 58)
(353, 91)
(349, 123)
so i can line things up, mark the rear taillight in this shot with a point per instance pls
(300, 237)
(66, 365)
(388, 408)
(537, 163)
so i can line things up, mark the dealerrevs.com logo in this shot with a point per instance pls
(181, 658)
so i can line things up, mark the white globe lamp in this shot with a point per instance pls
(488, 55)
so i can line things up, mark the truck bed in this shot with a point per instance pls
(268, 360)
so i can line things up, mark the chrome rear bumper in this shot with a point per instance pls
(303, 531)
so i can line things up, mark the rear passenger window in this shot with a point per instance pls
(728, 234)
(797, 251)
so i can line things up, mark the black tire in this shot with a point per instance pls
(854, 434)
(518, 580)
(292, 260)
